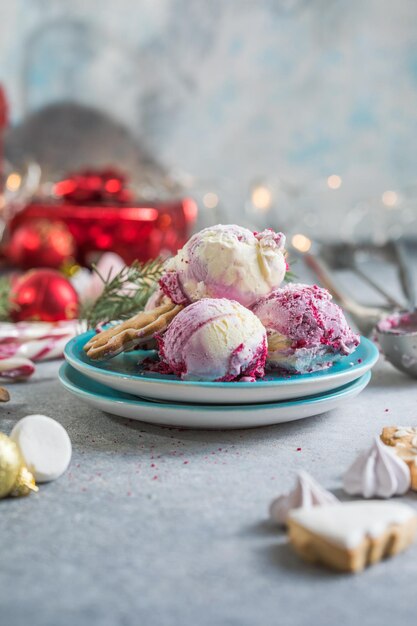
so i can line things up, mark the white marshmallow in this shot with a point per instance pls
(45, 446)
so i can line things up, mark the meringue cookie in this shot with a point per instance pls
(306, 494)
(45, 446)
(377, 472)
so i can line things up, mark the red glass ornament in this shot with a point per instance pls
(41, 243)
(43, 295)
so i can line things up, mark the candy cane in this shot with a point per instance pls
(28, 331)
(44, 349)
(39, 350)
(16, 368)
(25, 342)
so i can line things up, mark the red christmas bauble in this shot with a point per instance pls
(41, 244)
(43, 295)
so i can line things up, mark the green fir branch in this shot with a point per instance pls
(6, 305)
(290, 276)
(124, 294)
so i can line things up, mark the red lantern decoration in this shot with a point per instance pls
(106, 187)
(100, 213)
(41, 243)
(43, 295)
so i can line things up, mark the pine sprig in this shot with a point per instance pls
(124, 294)
(290, 276)
(6, 306)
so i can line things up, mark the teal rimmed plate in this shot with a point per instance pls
(204, 416)
(126, 373)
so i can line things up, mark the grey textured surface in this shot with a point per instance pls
(158, 526)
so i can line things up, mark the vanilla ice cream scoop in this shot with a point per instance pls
(214, 340)
(226, 262)
(306, 330)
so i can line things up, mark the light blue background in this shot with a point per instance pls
(272, 90)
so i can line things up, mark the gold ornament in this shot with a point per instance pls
(15, 478)
(25, 483)
(69, 268)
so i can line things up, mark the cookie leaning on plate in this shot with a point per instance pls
(404, 441)
(352, 535)
(136, 330)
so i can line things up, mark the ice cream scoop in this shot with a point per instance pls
(226, 262)
(306, 330)
(214, 340)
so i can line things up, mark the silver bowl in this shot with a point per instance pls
(397, 337)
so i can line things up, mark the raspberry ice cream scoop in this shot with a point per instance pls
(214, 340)
(306, 330)
(226, 262)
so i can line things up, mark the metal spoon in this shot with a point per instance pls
(344, 256)
(365, 317)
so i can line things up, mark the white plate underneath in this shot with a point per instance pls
(125, 373)
(204, 416)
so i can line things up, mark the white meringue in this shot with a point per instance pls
(377, 472)
(306, 494)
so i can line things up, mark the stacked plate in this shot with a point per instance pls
(123, 386)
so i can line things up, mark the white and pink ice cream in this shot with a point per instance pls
(226, 262)
(306, 330)
(214, 340)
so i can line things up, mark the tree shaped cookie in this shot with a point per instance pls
(349, 536)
